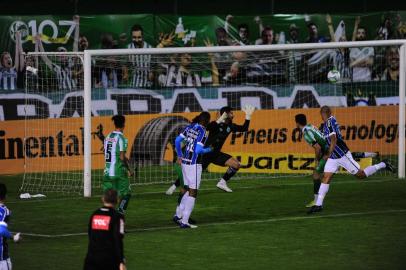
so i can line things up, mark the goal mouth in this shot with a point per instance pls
(70, 98)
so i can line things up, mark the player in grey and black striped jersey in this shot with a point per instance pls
(141, 63)
(63, 69)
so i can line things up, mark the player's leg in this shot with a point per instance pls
(365, 154)
(352, 166)
(223, 159)
(330, 169)
(177, 182)
(183, 193)
(124, 193)
(193, 174)
(316, 185)
(108, 183)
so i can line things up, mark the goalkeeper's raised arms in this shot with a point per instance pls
(249, 110)
(222, 118)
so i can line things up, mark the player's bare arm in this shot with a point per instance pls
(126, 163)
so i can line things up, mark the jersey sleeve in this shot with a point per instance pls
(201, 137)
(241, 128)
(332, 126)
(123, 143)
(4, 213)
(184, 132)
(309, 138)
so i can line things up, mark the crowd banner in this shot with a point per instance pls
(58, 30)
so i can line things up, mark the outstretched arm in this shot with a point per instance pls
(41, 49)
(76, 19)
(19, 54)
(330, 27)
(354, 33)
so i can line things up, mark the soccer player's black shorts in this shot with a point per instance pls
(218, 158)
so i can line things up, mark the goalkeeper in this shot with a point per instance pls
(218, 133)
(117, 170)
(315, 139)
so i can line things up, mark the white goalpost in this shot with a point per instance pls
(160, 90)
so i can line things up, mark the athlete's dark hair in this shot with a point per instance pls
(137, 27)
(243, 25)
(226, 109)
(325, 109)
(119, 120)
(110, 196)
(203, 118)
(301, 119)
(3, 191)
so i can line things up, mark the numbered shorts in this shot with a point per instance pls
(192, 175)
(119, 183)
(347, 162)
(5, 265)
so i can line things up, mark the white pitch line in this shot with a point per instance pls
(255, 221)
(260, 185)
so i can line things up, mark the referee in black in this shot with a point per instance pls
(106, 233)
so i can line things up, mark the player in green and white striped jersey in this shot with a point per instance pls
(117, 170)
(316, 139)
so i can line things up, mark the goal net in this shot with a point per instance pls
(160, 90)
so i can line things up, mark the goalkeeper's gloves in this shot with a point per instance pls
(222, 118)
(249, 110)
(17, 237)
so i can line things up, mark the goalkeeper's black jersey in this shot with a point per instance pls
(218, 133)
(106, 232)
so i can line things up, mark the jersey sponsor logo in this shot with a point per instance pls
(100, 222)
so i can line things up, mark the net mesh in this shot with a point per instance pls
(159, 95)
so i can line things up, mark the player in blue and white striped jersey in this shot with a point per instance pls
(5, 262)
(194, 136)
(339, 155)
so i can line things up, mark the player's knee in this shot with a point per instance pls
(360, 174)
(236, 165)
(193, 193)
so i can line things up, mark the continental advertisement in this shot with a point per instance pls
(272, 144)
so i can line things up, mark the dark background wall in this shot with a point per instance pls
(194, 7)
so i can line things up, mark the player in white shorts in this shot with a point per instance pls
(338, 155)
(194, 136)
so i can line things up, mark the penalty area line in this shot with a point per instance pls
(243, 222)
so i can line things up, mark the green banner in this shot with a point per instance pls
(191, 30)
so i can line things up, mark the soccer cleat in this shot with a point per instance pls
(176, 219)
(170, 190)
(310, 204)
(222, 184)
(315, 209)
(389, 166)
(187, 226)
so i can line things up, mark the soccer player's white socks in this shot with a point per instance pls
(370, 170)
(189, 205)
(181, 206)
(315, 197)
(322, 193)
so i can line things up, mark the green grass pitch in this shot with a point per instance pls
(262, 225)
